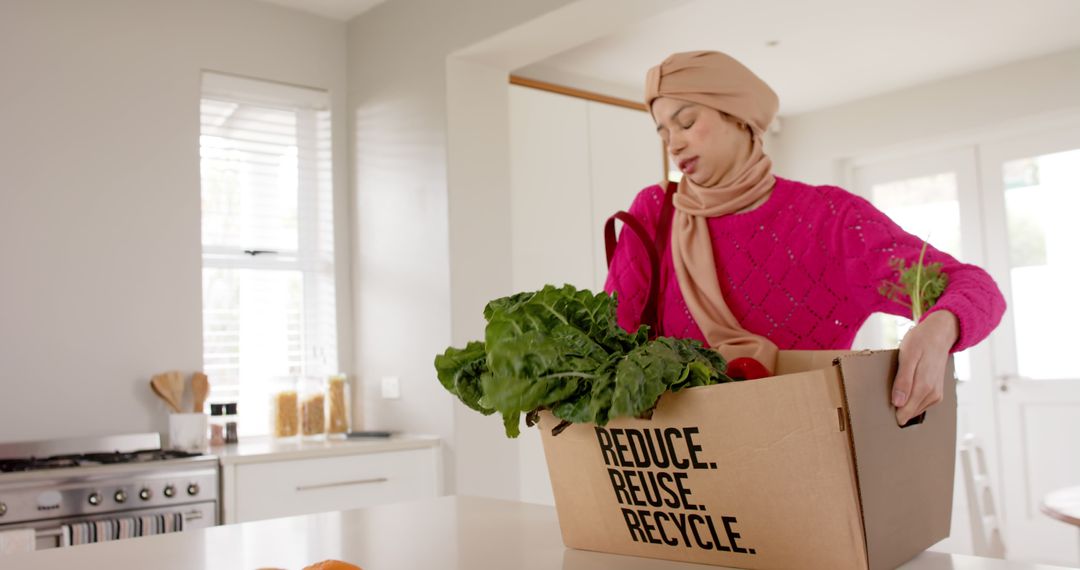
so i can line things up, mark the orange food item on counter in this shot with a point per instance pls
(332, 565)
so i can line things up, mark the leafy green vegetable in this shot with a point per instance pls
(922, 285)
(655, 367)
(561, 349)
(460, 371)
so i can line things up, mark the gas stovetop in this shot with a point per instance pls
(97, 458)
(85, 477)
(75, 460)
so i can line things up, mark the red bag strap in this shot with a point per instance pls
(667, 212)
(654, 249)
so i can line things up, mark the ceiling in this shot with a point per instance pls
(343, 10)
(814, 53)
(820, 53)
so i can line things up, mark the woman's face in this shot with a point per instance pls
(704, 143)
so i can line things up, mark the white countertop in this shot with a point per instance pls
(265, 448)
(447, 533)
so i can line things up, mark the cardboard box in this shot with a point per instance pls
(806, 469)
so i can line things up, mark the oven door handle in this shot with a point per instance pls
(190, 515)
(49, 533)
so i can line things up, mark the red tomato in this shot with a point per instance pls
(746, 368)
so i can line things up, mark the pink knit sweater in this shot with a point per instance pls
(802, 269)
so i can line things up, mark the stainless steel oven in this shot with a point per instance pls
(78, 491)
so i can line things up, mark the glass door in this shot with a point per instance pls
(1032, 222)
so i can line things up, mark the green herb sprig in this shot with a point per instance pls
(917, 286)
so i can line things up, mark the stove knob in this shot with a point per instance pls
(170, 491)
(3, 509)
(193, 489)
(95, 499)
(144, 494)
(120, 496)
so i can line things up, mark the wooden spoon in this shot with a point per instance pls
(160, 385)
(176, 386)
(200, 388)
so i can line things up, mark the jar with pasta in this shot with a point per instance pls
(285, 408)
(337, 405)
(312, 408)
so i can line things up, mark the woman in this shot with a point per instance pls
(757, 263)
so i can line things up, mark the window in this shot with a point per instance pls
(267, 239)
(1040, 205)
(930, 196)
(927, 207)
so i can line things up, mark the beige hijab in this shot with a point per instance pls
(716, 80)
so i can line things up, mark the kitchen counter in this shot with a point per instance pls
(446, 533)
(264, 449)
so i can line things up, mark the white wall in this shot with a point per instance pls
(100, 262)
(812, 146)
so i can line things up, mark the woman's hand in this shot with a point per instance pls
(924, 352)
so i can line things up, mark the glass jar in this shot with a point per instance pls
(231, 419)
(217, 424)
(337, 405)
(312, 408)
(285, 408)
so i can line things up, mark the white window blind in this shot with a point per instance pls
(268, 240)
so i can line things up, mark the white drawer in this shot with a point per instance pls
(286, 488)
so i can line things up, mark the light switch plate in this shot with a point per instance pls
(391, 388)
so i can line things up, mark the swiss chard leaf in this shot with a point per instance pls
(661, 365)
(460, 371)
(562, 349)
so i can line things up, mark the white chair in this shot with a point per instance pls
(985, 529)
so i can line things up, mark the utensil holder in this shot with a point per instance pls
(188, 432)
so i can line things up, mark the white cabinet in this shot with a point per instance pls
(290, 479)
(625, 155)
(573, 163)
(550, 200)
